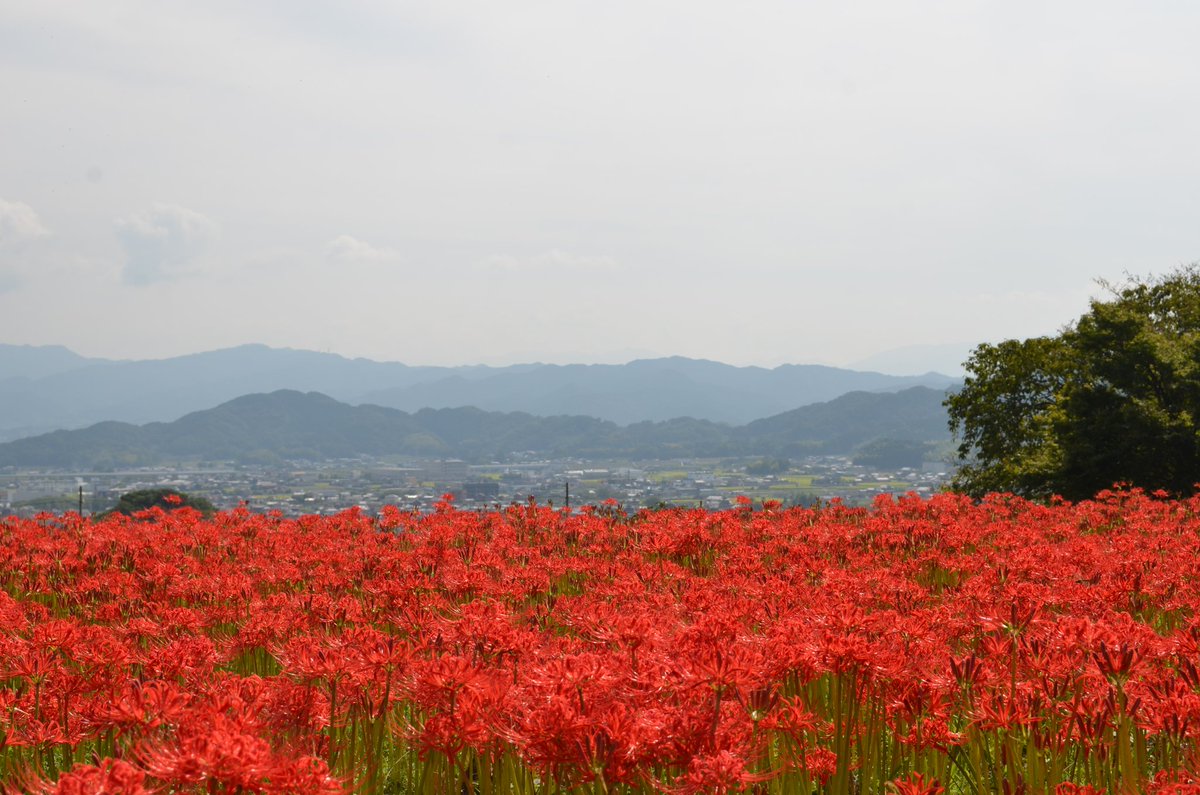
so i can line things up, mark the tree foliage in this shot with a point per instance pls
(1114, 398)
(168, 499)
(768, 466)
(892, 454)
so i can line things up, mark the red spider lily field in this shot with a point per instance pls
(918, 646)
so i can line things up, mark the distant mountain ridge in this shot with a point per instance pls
(651, 389)
(39, 361)
(290, 425)
(44, 389)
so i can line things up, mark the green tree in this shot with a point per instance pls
(1114, 398)
(1003, 416)
(167, 499)
(768, 466)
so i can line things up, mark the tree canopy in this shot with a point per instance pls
(1114, 398)
(168, 499)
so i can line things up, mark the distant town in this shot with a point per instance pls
(370, 484)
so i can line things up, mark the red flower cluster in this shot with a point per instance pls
(921, 646)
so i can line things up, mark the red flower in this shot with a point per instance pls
(716, 774)
(110, 777)
(916, 785)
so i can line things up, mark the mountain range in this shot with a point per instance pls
(49, 388)
(292, 425)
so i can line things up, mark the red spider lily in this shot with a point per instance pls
(110, 777)
(820, 764)
(759, 702)
(967, 670)
(791, 717)
(40, 733)
(1069, 788)
(1174, 783)
(716, 668)
(222, 755)
(33, 665)
(917, 784)
(613, 746)
(316, 660)
(1118, 662)
(440, 681)
(147, 705)
(718, 773)
(771, 651)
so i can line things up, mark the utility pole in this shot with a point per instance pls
(81, 500)
(567, 494)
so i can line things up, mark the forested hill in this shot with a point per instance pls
(291, 425)
(50, 388)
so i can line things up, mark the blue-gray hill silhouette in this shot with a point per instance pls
(44, 389)
(292, 425)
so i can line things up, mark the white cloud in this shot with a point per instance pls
(19, 226)
(346, 250)
(553, 260)
(161, 241)
(19, 223)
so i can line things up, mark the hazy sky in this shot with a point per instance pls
(455, 182)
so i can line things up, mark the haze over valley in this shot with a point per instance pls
(50, 388)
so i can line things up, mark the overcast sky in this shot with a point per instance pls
(460, 182)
